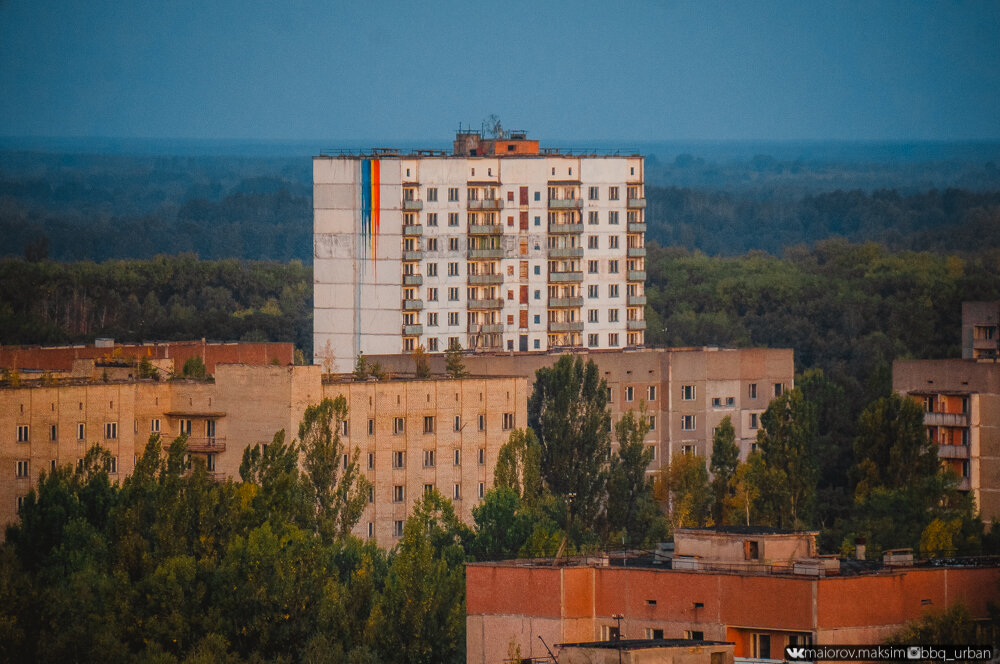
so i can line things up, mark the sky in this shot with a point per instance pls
(636, 70)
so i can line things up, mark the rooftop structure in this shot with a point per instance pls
(981, 331)
(499, 245)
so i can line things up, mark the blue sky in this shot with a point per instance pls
(638, 70)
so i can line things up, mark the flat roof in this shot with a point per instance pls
(639, 644)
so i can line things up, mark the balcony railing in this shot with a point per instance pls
(485, 328)
(566, 326)
(413, 305)
(565, 252)
(413, 205)
(207, 445)
(946, 419)
(566, 228)
(636, 300)
(636, 325)
(412, 330)
(413, 229)
(637, 227)
(953, 451)
(562, 302)
(485, 279)
(636, 252)
(566, 203)
(413, 279)
(478, 305)
(636, 275)
(565, 277)
(413, 255)
(488, 204)
(485, 253)
(485, 229)
(637, 202)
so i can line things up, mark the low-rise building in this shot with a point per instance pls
(686, 391)
(981, 331)
(961, 401)
(646, 651)
(412, 435)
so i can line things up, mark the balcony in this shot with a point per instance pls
(946, 420)
(485, 229)
(489, 328)
(413, 229)
(413, 255)
(637, 227)
(565, 204)
(565, 252)
(413, 206)
(566, 326)
(636, 300)
(478, 305)
(412, 330)
(633, 325)
(413, 279)
(488, 204)
(206, 445)
(636, 275)
(485, 279)
(562, 302)
(565, 277)
(565, 228)
(637, 202)
(637, 252)
(953, 451)
(485, 253)
(413, 305)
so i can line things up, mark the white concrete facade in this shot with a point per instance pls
(521, 253)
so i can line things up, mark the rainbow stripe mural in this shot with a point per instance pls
(370, 208)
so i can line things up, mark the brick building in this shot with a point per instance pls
(412, 434)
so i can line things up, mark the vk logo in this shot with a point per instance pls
(795, 653)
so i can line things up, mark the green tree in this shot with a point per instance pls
(194, 367)
(683, 491)
(725, 459)
(631, 507)
(453, 363)
(568, 410)
(745, 491)
(786, 443)
(951, 625)
(519, 466)
(421, 363)
(361, 367)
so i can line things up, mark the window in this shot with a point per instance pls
(730, 401)
(453, 296)
(613, 290)
(592, 267)
(592, 242)
(482, 456)
(716, 402)
(538, 294)
(779, 388)
(399, 459)
(397, 528)
(592, 193)
(613, 340)
(687, 393)
(432, 194)
(53, 433)
(428, 424)
(371, 427)
(652, 426)
(397, 493)
(538, 195)
(761, 645)
(688, 449)
(452, 269)
(458, 423)
(453, 244)
(592, 316)
(428, 458)
(371, 461)
(651, 393)
(398, 425)
(453, 320)
(613, 217)
(81, 431)
(371, 493)
(457, 492)
(453, 194)
(612, 193)
(537, 344)
(111, 430)
(432, 271)
(752, 391)
(654, 633)
(613, 242)
(538, 220)
(592, 340)
(432, 319)
(428, 488)
(482, 422)
(154, 425)
(371, 529)
(538, 269)
(592, 290)
(432, 343)
(695, 635)
(508, 421)
(345, 429)
(629, 393)
(753, 421)
(22, 433)
(688, 422)
(482, 490)
(612, 267)
(21, 469)
(612, 315)
(457, 457)
(592, 217)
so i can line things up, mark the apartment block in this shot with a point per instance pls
(412, 435)
(961, 401)
(686, 392)
(981, 331)
(496, 245)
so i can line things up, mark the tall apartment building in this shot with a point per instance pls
(961, 401)
(496, 245)
(686, 391)
(981, 331)
(413, 435)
